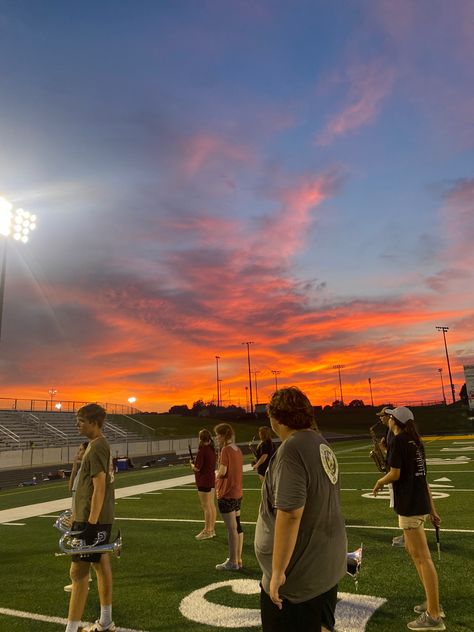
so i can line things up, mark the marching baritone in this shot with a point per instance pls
(93, 517)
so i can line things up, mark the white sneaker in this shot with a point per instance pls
(425, 622)
(227, 566)
(97, 627)
(423, 606)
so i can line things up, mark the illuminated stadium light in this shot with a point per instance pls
(17, 223)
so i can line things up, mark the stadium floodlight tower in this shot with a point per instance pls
(444, 329)
(339, 367)
(16, 224)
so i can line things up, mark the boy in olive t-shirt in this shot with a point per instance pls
(93, 516)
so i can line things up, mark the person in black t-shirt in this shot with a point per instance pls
(413, 503)
(264, 451)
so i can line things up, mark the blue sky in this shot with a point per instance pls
(296, 174)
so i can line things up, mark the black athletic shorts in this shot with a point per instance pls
(307, 616)
(227, 505)
(205, 489)
(104, 531)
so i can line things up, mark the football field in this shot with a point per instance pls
(166, 581)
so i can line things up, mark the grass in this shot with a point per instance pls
(162, 563)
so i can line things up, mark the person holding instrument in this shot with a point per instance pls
(413, 503)
(94, 514)
(264, 451)
(203, 467)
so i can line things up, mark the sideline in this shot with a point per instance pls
(38, 509)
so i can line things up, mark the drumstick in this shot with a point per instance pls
(190, 453)
(438, 546)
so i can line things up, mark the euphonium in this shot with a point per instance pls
(71, 543)
(376, 453)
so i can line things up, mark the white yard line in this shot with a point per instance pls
(41, 617)
(38, 509)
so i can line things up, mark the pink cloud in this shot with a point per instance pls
(368, 85)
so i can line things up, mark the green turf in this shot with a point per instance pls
(162, 563)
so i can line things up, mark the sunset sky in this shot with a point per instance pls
(294, 173)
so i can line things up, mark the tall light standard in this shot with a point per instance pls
(18, 224)
(440, 371)
(256, 388)
(371, 396)
(339, 367)
(250, 373)
(52, 392)
(247, 399)
(275, 373)
(217, 380)
(444, 330)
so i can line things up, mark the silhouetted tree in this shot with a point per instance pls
(356, 403)
(463, 394)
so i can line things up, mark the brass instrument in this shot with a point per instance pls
(70, 543)
(377, 453)
(354, 563)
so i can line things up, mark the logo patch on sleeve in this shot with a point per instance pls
(329, 461)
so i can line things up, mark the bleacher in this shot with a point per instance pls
(25, 429)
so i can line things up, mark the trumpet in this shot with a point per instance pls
(376, 453)
(354, 563)
(71, 544)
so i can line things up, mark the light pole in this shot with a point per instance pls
(371, 396)
(256, 388)
(18, 224)
(52, 392)
(131, 401)
(275, 373)
(247, 399)
(339, 367)
(217, 380)
(444, 330)
(440, 371)
(250, 373)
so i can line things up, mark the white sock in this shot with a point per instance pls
(73, 626)
(105, 616)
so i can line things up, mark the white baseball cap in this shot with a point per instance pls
(401, 414)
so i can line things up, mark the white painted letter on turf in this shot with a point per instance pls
(352, 611)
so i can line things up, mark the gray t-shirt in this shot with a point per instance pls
(304, 472)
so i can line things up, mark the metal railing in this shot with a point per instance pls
(58, 406)
(10, 434)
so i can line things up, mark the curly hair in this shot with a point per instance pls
(292, 408)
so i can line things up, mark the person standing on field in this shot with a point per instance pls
(300, 538)
(93, 516)
(414, 504)
(229, 494)
(203, 467)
